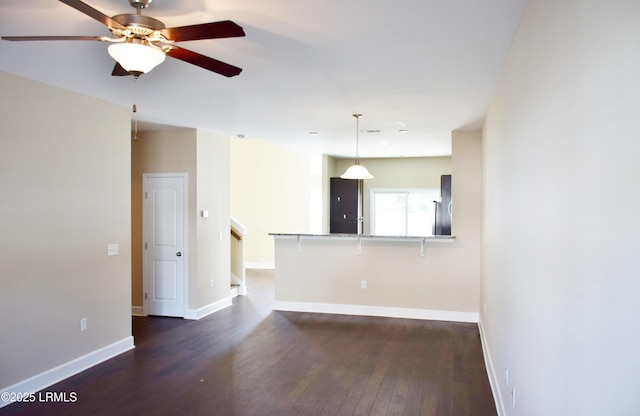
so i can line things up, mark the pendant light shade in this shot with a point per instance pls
(136, 57)
(357, 171)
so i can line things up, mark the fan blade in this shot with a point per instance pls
(27, 38)
(119, 71)
(204, 62)
(213, 30)
(91, 12)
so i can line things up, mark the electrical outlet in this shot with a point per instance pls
(513, 397)
(506, 376)
(363, 284)
(211, 284)
(485, 307)
(83, 324)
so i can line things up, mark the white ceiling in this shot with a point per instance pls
(427, 66)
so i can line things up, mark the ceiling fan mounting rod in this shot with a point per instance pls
(140, 4)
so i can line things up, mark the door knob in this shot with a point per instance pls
(179, 253)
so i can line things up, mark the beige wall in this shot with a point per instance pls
(271, 191)
(329, 170)
(168, 151)
(419, 172)
(65, 181)
(214, 256)
(447, 278)
(561, 277)
(205, 158)
(466, 188)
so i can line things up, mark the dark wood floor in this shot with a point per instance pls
(249, 360)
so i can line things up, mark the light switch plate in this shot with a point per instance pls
(113, 249)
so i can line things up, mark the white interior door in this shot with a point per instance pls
(164, 222)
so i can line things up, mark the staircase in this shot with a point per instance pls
(235, 289)
(238, 275)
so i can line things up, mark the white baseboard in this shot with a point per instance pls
(50, 377)
(491, 372)
(242, 289)
(208, 310)
(260, 266)
(137, 311)
(389, 312)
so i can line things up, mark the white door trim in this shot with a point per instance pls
(185, 252)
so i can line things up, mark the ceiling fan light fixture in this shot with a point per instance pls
(136, 57)
(357, 171)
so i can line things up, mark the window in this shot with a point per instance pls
(403, 212)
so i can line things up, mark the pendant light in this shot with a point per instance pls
(357, 171)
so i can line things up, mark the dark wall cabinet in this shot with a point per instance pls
(345, 207)
(443, 209)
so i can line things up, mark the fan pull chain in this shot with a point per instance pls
(135, 110)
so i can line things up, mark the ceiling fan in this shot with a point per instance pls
(139, 43)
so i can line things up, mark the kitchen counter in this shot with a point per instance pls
(412, 277)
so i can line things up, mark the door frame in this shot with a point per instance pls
(185, 253)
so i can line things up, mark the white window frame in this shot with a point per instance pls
(372, 203)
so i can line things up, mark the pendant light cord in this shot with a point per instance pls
(357, 171)
(357, 116)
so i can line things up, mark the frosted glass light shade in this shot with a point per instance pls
(356, 171)
(136, 57)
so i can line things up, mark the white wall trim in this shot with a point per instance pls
(242, 290)
(209, 309)
(137, 311)
(261, 266)
(491, 372)
(389, 312)
(68, 369)
(238, 226)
